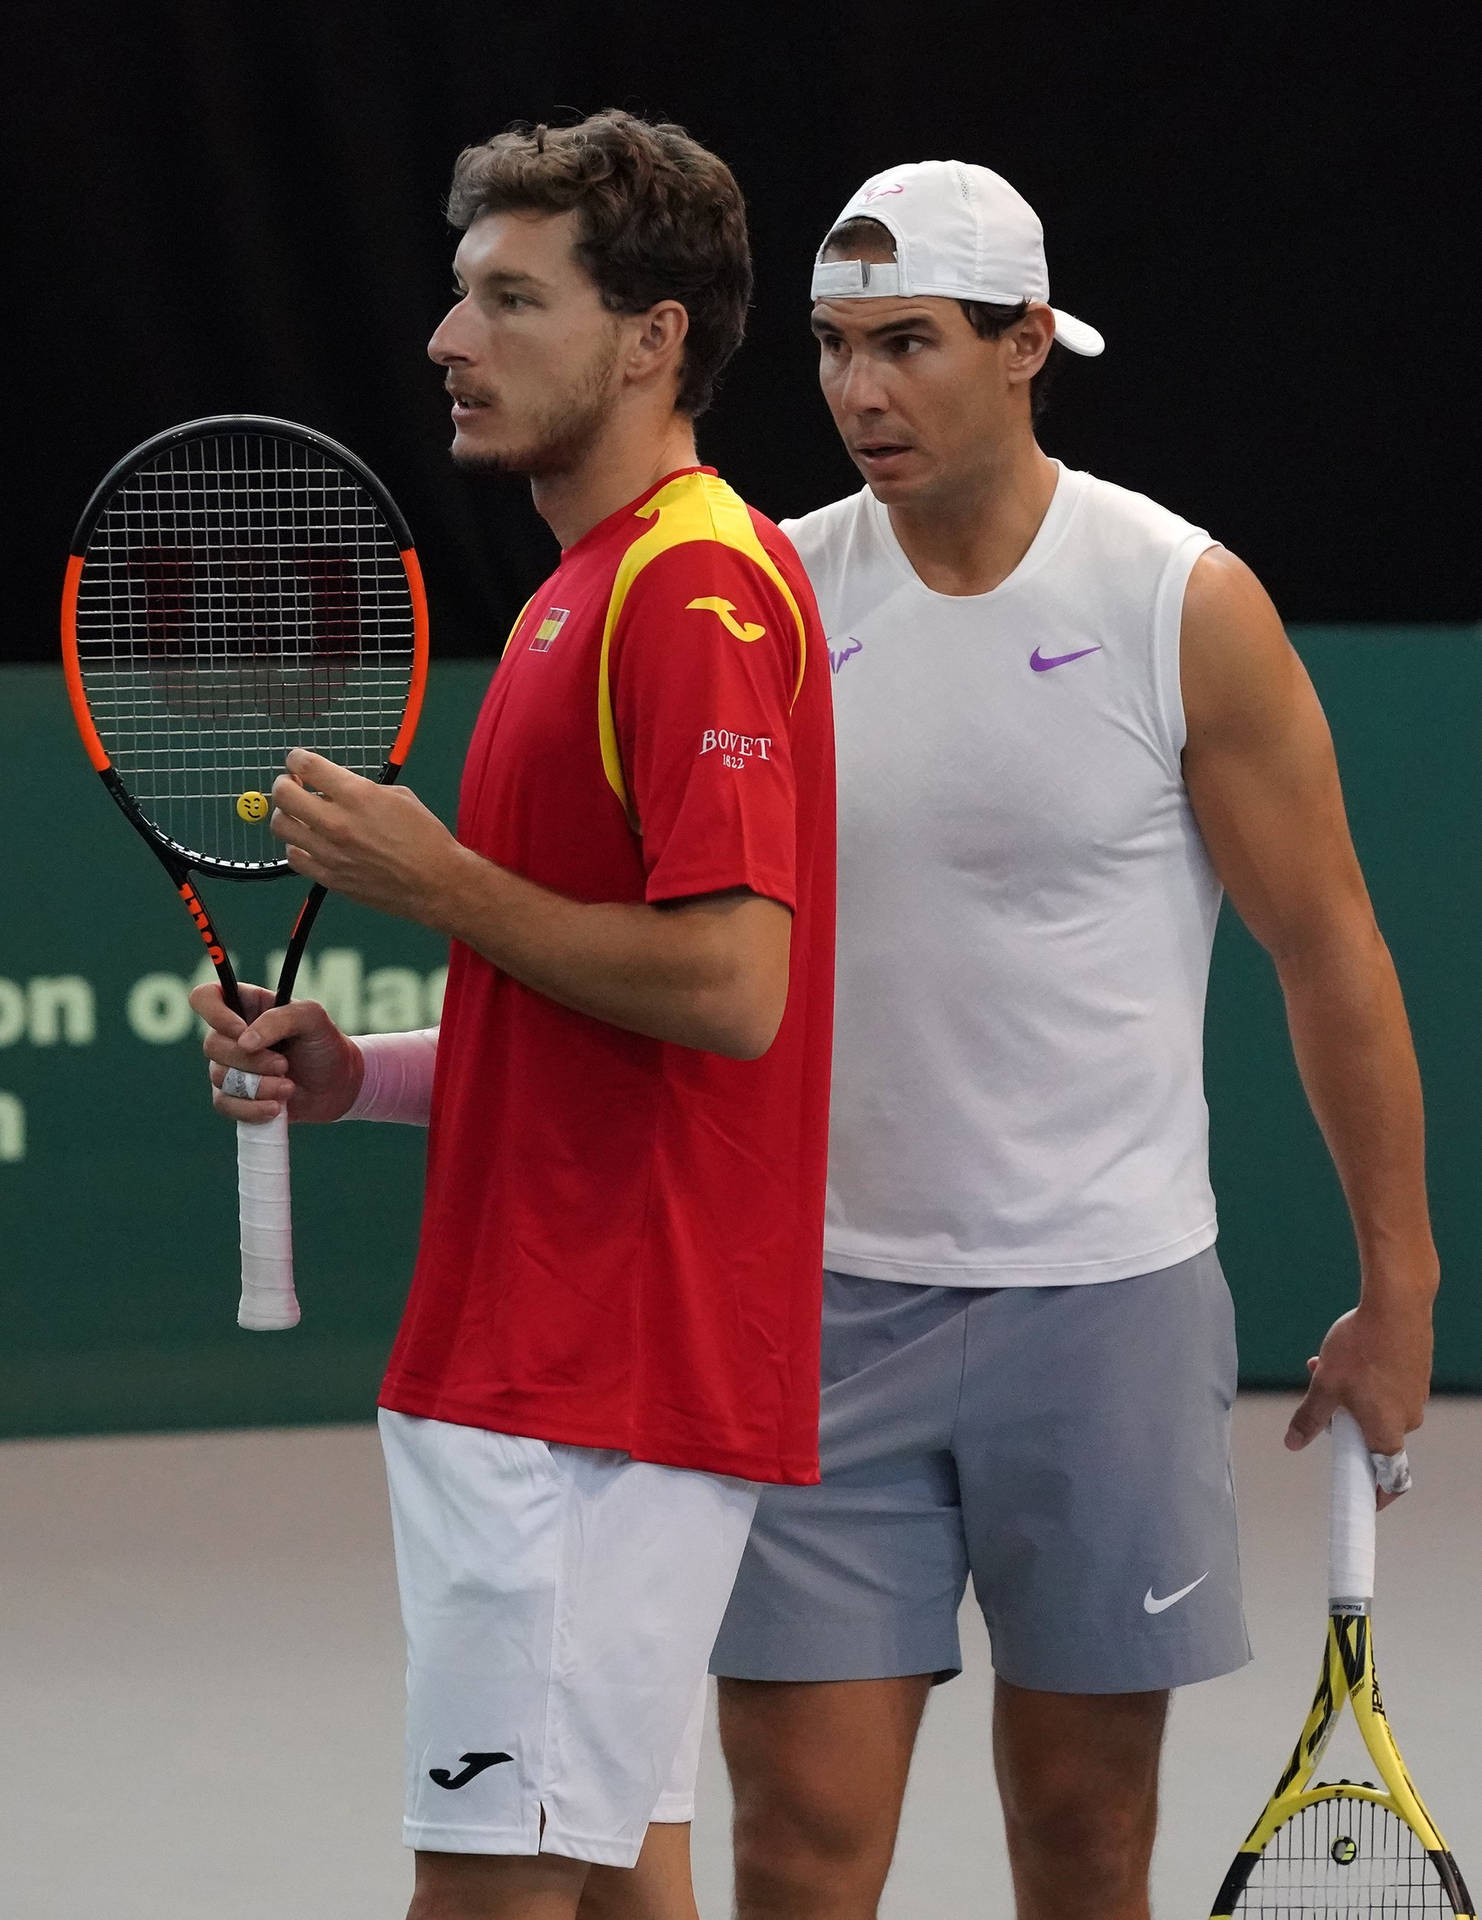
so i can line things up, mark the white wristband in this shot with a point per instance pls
(398, 1077)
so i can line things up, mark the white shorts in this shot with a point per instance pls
(560, 1604)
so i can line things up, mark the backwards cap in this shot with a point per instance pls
(961, 232)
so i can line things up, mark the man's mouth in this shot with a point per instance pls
(880, 449)
(465, 402)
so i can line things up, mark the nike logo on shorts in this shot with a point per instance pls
(477, 1763)
(1150, 1605)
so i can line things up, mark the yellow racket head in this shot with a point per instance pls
(1344, 1849)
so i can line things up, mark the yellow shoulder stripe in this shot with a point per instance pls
(519, 617)
(696, 506)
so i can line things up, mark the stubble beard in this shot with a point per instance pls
(561, 439)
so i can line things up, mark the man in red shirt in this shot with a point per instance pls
(612, 1332)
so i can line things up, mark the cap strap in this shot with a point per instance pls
(856, 279)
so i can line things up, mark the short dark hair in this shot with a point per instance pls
(989, 321)
(986, 319)
(659, 218)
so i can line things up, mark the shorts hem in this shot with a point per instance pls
(941, 1662)
(516, 1843)
(425, 1837)
(597, 1853)
(1183, 1667)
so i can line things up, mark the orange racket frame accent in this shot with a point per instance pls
(97, 753)
(402, 743)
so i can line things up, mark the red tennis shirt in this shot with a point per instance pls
(622, 1238)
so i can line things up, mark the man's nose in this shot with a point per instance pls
(863, 391)
(444, 347)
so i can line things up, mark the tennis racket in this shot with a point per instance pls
(1342, 1850)
(239, 586)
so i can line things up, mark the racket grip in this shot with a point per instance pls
(1350, 1518)
(268, 1300)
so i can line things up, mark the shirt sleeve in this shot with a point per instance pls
(705, 668)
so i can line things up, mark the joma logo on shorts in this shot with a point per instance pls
(736, 747)
(475, 1764)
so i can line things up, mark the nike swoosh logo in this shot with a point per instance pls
(1150, 1605)
(477, 1763)
(725, 610)
(1041, 665)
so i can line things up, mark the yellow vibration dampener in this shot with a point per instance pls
(253, 806)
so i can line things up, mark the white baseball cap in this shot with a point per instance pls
(960, 233)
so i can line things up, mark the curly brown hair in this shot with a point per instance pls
(660, 218)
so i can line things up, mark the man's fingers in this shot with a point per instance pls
(207, 1003)
(272, 1097)
(226, 1052)
(308, 864)
(311, 769)
(294, 807)
(233, 1043)
(273, 1090)
(1311, 1417)
(278, 1026)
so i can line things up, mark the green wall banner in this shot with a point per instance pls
(118, 1218)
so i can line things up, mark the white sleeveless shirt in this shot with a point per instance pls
(1026, 907)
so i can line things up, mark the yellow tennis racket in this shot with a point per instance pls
(1345, 1850)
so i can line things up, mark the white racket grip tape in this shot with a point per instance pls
(268, 1301)
(1351, 1518)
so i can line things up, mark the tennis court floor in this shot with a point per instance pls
(200, 1685)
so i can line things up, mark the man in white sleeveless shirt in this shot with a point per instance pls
(1066, 721)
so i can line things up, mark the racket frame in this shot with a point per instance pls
(180, 861)
(214, 424)
(1347, 1675)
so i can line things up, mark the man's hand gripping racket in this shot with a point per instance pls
(239, 586)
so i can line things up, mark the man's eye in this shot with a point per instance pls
(904, 343)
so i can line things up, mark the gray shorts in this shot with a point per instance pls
(1069, 1447)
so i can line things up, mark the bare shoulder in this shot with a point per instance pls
(1237, 667)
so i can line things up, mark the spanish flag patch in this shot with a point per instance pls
(545, 633)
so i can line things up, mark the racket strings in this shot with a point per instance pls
(240, 594)
(1343, 1859)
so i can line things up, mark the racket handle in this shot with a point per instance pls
(1350, 1519)
(268, 1300)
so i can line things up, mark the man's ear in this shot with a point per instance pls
(657, 345)
(1028, 344)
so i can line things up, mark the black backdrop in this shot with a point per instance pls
(1269, 211)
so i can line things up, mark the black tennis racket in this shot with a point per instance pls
(1346, 1849)
(239, 586)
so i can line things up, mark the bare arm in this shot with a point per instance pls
(1264, 786)
(709, 973)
